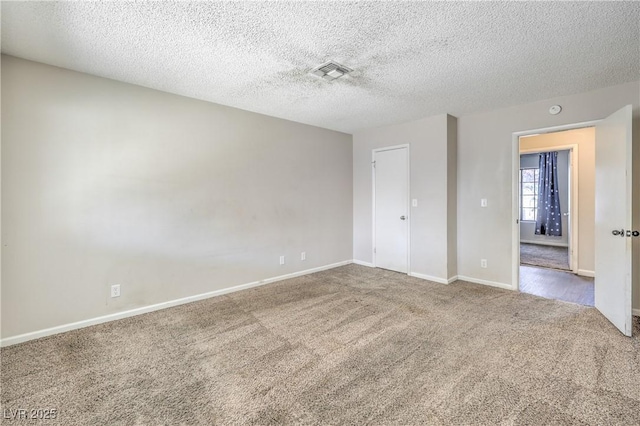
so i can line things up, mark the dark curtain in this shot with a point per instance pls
(549, 220)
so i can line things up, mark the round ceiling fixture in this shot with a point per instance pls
(555, 110)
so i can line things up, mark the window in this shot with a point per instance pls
(529, 194)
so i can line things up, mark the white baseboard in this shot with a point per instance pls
(586, 273)
(486, 282)
(545, 243)
(432, 278)
(636, 312)
(363, 263)
(8, 341)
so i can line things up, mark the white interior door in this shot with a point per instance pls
(391, 194)
(613, 219)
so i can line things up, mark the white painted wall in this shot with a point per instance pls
(485, 169)
(109, 183)
(528, 228)
(432, 159)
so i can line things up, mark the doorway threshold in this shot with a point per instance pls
(557, 285)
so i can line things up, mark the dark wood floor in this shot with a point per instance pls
(553, 284)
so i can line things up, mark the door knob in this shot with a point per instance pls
(620, 232)
(402, 217)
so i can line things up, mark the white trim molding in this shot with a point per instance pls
(487, 282)
(432, 278)
(363, 263)
(13, 340)
(586, 273)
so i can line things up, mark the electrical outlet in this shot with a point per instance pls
(303, 255)
(483, 263)
(483, 202)
(115, 290)
(282, 260)
(414, 202)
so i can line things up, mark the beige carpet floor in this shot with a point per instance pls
(351, 345)
(544, 256)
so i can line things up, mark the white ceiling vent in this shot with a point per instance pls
(331, 70)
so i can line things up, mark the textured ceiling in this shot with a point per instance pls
(411, 60)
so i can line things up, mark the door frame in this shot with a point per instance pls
(373, 203)
(573, 197)
(515, 189)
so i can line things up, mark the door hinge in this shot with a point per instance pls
(374, 249)
(374, 164)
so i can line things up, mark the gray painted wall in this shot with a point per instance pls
(433, 169)
(109, 183)
(452, 196)
(105, 182)
(527, 229)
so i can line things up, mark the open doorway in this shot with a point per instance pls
(556, 193)
(605, 230)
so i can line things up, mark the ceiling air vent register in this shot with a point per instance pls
(331, 71)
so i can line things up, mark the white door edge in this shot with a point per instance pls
(613, 281)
